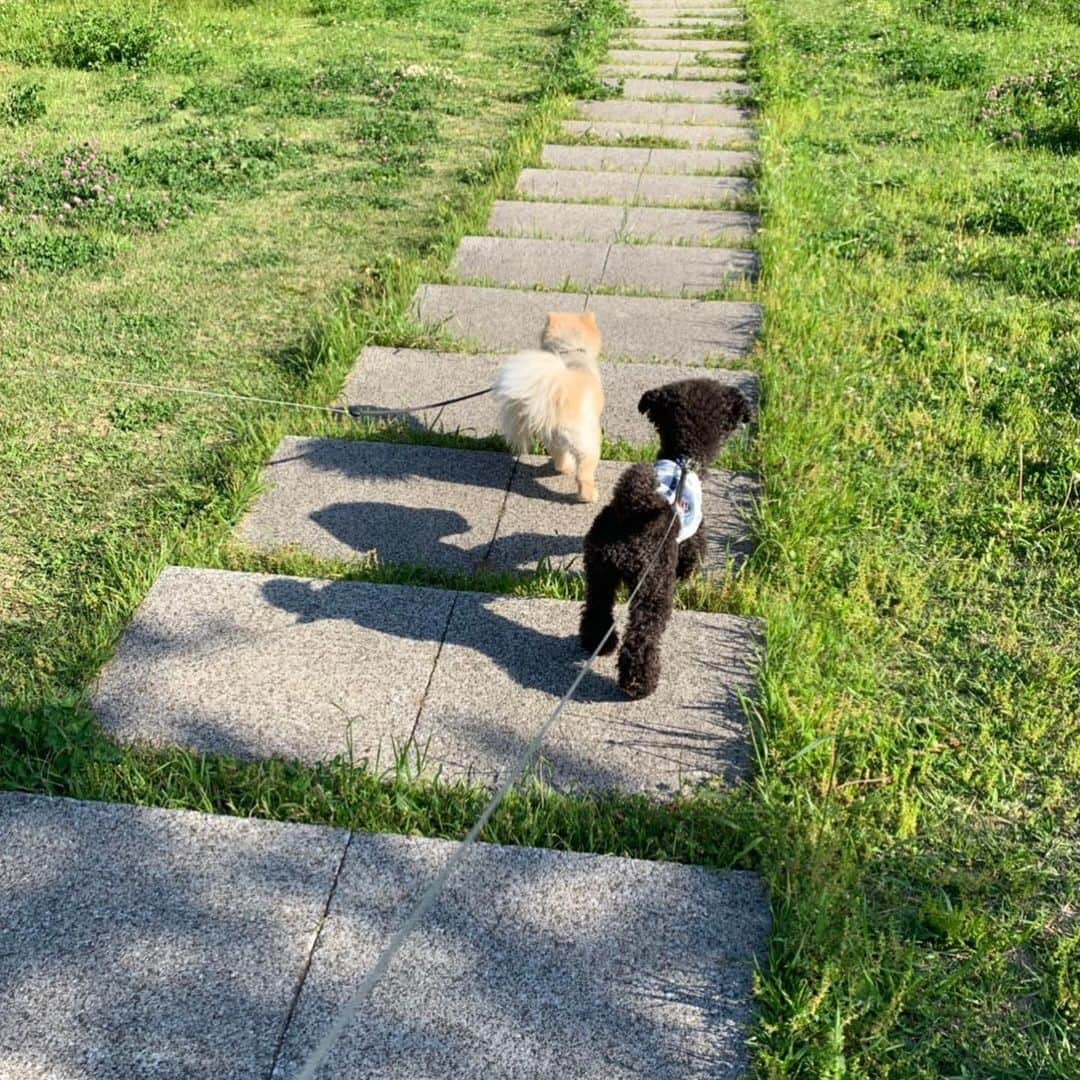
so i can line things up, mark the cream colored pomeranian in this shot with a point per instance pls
(554, 394)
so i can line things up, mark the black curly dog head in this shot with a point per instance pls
(694, 417)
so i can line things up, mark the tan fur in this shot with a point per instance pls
(554, 394)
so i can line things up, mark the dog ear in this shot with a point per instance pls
(648, 401)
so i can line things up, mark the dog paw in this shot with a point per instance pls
(590, 637)
(587, 494)
(637, 682)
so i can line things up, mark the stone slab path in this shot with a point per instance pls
(145, 943)
(258, 666)
(454, 510)
(388, 378)
(148, 943)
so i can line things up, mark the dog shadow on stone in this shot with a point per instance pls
(534, 657)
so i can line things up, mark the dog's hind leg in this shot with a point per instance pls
(691, 553)
(562, 455)
(587, 454)
(650, 612)
(601, 582)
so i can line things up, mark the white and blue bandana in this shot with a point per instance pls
(688, 508)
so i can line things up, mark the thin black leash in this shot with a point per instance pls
(354, 412)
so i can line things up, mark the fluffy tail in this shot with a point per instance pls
(527, 388)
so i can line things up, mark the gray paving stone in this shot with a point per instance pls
(634, 327)
(681, 271)
(639, 159)
(544, 520)
(388, 378)
(345, 499)
(612, 223)
(145, 943)
(664, 160)
(665, 112)
(260, 665)
(706, 191)
(562, 221)
(529, 262)
(578, 185)
(151, 943)
(658, 57)
(536, 963)
(632, 159)
(684, 90)
(219, 663)
(666, 71)
(689, 18)
(700, 135)
(666, 37)
(646, 190)
(656, 269)
(615, 72)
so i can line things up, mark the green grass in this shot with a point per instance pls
(919, 558)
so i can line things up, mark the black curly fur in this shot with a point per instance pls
(693, 417)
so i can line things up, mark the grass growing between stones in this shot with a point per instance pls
(919, 548)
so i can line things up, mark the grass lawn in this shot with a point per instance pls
(295, 167)
(919, 560)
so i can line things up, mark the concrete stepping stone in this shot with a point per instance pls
(689, 72)
(648, 189)
(388, 378)
(656, 269)
(152, 943)
(634, 327)
(698, 135)
(683, 90)
(645, 159)
(141, 942)
(659, 56)
(665, 112)
(653, 225)
(260, 666)
(689, 19)
(692, 22)
(416, 505)
(337, 499)
(664, 37)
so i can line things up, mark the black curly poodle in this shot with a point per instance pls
(693, 417)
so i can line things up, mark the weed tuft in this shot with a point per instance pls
(22, 104)
(1040, 109)
(922, 56)
(90, 39)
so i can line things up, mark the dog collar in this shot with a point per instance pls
(688, 509)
